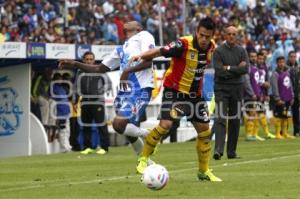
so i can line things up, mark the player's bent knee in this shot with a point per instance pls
(205, 127)
(119, 125)
(166, 124)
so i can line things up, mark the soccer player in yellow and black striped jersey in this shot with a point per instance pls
(182, 93)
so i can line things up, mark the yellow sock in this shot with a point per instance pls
(203, 148)
(277, 123)
(152, 139)
(256, 127)
(264, 123)
(284, 127)
(249, 125)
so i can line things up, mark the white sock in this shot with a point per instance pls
(138, 146)
(134, 131)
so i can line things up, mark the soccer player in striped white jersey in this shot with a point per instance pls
(136, 81)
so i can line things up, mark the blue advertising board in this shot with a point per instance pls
(36, 50)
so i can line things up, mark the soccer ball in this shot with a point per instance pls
(155, 177)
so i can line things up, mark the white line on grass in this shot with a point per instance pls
(257, 155)
(116, 178)
(242, 162)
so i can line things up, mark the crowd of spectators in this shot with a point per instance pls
(261, 23)
(100, 21)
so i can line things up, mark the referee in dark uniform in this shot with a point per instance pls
(231, 63)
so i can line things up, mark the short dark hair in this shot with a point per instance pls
(87, 53)
(262, 49)
(252, 51)
(207, 23)
(291, 52)
(279, 58)
(260, 53)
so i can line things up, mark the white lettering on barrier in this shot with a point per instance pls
(60, 51)
(102, 51)
(13, 50)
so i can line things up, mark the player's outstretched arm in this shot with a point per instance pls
(71, 64)
(141, 66)
(148, 55)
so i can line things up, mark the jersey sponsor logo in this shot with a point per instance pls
(197, 70)
(202, 62)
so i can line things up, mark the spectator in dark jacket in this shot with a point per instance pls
(295, 78)
(231, 63)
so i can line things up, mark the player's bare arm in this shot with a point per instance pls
(139, 67)
(148, 55)
(70, 64)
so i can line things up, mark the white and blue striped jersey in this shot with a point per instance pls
(135, 45)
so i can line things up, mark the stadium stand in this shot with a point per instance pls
(100, 22)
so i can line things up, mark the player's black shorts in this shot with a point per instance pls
(257, 106)
(282, 111)
(176, 104)
(249, 106)
(261, 107)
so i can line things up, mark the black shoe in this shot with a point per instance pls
(76, 149)
(233, 157)
(217, 156)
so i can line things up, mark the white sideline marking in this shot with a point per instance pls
(136, 175)
(256, 155)
(242, 162)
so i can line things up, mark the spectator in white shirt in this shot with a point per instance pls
(289, 22)
(108, 7)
